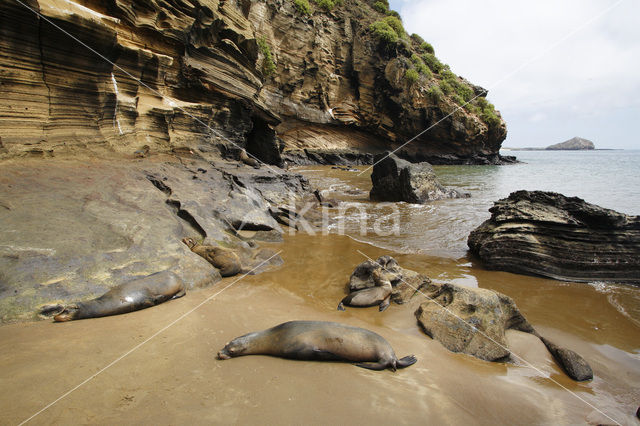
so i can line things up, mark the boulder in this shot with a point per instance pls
(565, 238)
(474, 320)
(405, 283)
(395, 179)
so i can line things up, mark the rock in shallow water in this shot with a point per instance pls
(395, 179)
(566, 238)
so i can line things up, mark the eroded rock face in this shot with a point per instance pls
(72, 229)
(191, 74)
(398, 180)
(565, 238)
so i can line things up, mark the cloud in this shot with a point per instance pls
(525, 54)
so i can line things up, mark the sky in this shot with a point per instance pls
(554, 69)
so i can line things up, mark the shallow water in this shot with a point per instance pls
(171, 375)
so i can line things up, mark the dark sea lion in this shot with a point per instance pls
(128, 297)
(224, 259)
(373, 296)
(319, 341)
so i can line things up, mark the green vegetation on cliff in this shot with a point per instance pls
(328, 4)
(303, 7)
(268, 66)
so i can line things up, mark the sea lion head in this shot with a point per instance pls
(236, 347)
(68, 313)
(189, 242)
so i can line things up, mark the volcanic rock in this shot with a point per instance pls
(565, 238)
(395, 179)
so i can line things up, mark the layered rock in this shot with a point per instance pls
(169, 75)
(398, 180)
(566, 238)
(73, 229)
(573, 144)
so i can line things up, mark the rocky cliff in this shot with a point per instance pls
(115, 75)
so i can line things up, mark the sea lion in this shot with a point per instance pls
(224, 259)
(373, 296)
(128, 297)
(319, 341)
(249, 161)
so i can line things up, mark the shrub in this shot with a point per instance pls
(427, 47)
(446, 87)
(420, 66)
(268, 67)
(417, 39)
(488, 113)
(435, 93)
(384, 32)
(464, 91)
(432, 62)
(394, 14)
(303, 7)
(380, 7)
(396, 24)
(328, 4)
(411, 76)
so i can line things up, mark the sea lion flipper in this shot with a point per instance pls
(406, 361)
(179, 294)
(341, 307)
(385, 303)
(373, 365)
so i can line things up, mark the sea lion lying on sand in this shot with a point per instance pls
(319, 341)
(128, 297)
(224, 259)
(373, 296)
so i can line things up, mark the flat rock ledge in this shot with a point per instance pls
(395, 179)
(565, 238)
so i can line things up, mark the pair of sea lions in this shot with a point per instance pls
(380, 295)
(319, 341)
(131, 296)
(226, 260)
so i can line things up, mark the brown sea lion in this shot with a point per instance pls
(224, 259)
(249, 161)
(128, 297)
(319, 341)
(373, 296)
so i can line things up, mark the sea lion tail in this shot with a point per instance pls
(406, 361)
(51, 310)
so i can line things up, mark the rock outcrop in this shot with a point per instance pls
(228, 75)
(565, 238)
(398, 180)
(474, 320)
(573, 144)
(405, 283)
(73, 229)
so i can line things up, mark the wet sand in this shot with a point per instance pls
(173, 377)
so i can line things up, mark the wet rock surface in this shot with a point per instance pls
(395, 179)
(565, 238)
(74, 229)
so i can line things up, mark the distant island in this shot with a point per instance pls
(573, 144)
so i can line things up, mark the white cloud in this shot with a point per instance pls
(594, 71)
